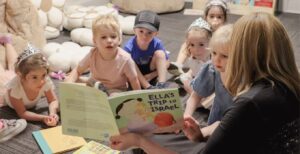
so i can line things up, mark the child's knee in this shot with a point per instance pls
(159, 54)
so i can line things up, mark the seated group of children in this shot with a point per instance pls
(143, 63)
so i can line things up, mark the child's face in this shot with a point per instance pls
(106, 40)
(219, 56)
(144, 36)
(215, 17)
(35, 79)
(197, 43)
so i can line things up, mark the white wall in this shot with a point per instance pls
(87, 2)
(290, 6)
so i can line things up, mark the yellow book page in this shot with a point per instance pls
(59, 142)
(95, 148)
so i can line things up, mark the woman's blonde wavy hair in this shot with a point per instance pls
(260, 48)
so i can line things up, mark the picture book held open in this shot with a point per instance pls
(88, 112)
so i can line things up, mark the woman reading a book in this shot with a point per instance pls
(263, 77)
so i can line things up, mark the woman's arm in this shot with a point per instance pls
(240, 127)
(131, 140)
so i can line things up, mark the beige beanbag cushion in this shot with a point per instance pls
(158, 6)
(20, 18)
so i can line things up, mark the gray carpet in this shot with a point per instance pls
(172, 33)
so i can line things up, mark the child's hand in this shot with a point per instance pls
(185, 116)
(50, 121)
(55, 116)
(125, 141)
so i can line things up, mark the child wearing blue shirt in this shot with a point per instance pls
(147, 50)
(211, 78)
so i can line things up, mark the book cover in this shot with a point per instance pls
(88, 112)
(52, 140)
(95, 148)
(144, 111)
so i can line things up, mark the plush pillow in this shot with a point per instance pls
(82, 52)
(60, 61)
(127, 24)
(87, 38)
(51, 32)
(158, 6)
(75, 20)
(83, 36)
(50, 48)
(88, 19)
(58, 3)
(55, 17)
(76, 34)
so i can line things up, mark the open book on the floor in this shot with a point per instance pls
(88, 112)
(95, 148)
(52, 140)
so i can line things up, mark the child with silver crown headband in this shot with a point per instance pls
(29, 85)
(215, 13)
(197, 38)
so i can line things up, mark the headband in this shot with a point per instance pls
(216, 3)
(28, 51)
(201, 23)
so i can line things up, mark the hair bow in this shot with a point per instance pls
(60, 75)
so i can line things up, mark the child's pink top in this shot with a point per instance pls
(114, 74)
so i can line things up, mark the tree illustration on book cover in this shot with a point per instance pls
(156, 111)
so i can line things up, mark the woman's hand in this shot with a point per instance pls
(192, 130)
(125, 141)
